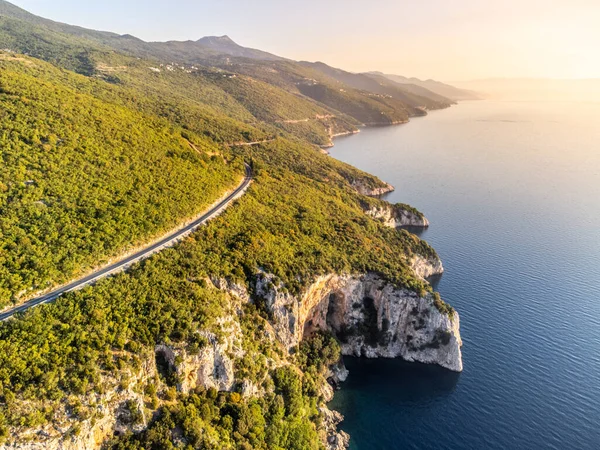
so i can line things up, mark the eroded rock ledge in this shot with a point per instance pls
(426, 267)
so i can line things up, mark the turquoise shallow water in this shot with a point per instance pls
(512, 190)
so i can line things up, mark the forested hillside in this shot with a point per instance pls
(425, 99)
(366, 107)
(355, 95)
(294, 223)
(82, 178)
(104, 146)
(446, 90)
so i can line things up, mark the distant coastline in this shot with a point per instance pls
(332, 137)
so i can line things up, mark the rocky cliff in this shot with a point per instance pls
(364, 189)
(425, 267)
(170, 368)
(97, 416)
(334, 439)
(396, 216)
(370, 316)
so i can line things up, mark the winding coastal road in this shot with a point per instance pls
(124, 263)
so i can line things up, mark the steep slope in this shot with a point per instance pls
(292, 113)
(369, 109)
(83, 178)
(363, 106)
(412, 88)
(33, 115)
(28, 23)
(219, 312)
(199, 91)
(29, 38)
(225, 340)
(192, 84)
(179, 51)
(345, 99)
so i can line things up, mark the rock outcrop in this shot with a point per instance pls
(426, 267)
(396, 216)
(121, 409)
(370, 316)
(333, 135)
(373, 318)
(109, 413)
(334, 439)
(371, 191)
(211, 367)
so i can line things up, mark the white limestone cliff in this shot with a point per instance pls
(370, 316)
(370, 191)
(396, 216)
(426, 267)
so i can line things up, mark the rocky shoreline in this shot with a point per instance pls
(396, 216)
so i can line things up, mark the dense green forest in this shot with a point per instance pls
(104, 144)
(362, 106)
(354, 98)
(135, 159)
(82, 179)
(287, 111)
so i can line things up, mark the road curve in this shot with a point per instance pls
(121, 265)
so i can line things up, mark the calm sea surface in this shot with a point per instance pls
(512, 190)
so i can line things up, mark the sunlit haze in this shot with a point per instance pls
(460, 40)
(300, 225)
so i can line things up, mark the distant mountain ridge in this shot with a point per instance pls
(214, 48)
(383, 86)
(438, 87)
(339, 101)
(181, 51)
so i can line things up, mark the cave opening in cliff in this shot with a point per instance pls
(164, 369)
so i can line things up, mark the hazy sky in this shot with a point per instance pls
(443, 39)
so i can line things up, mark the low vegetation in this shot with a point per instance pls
(282, 419)
(96, 162)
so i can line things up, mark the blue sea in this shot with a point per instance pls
(512, 191)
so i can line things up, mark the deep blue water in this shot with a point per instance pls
(512, 190)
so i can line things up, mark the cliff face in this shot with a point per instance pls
(363, 189)
(109, 413)
(334, 439)
(426, 267)
(371, 318)
(396, 216)
(211, 367)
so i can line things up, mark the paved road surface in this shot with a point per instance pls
(138, 256)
